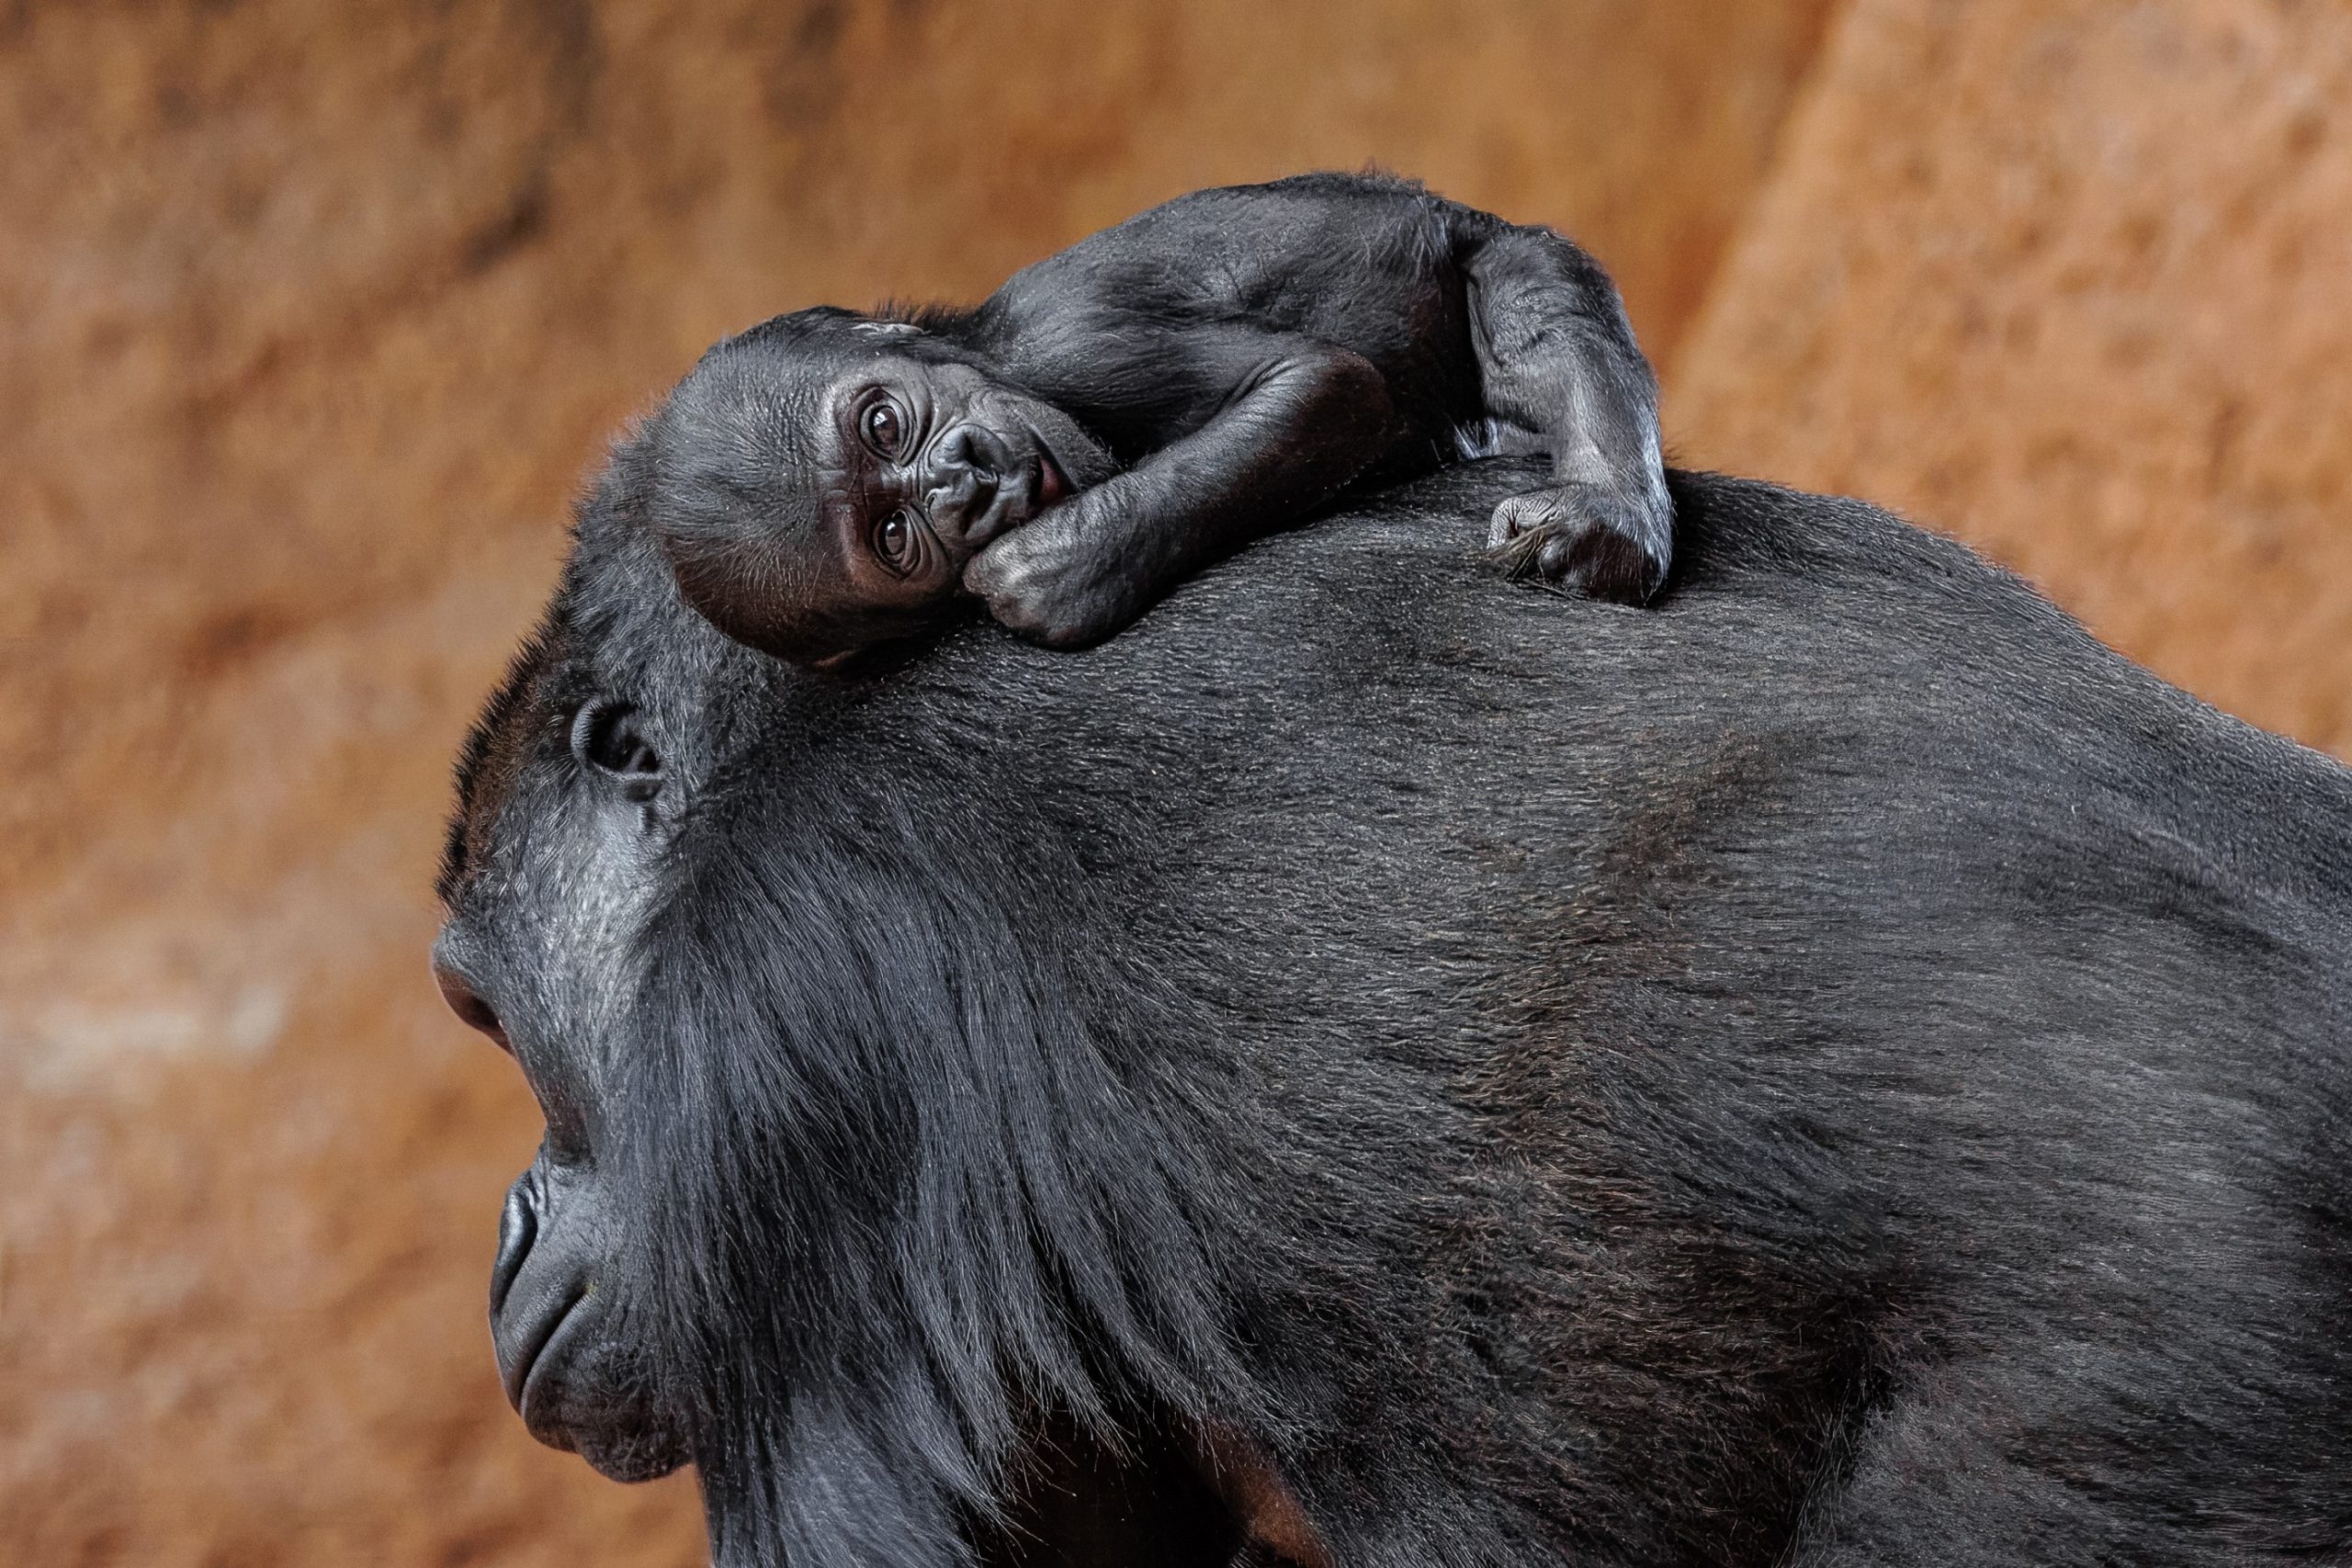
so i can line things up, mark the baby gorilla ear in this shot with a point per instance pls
(762, 572)
(728, 476)
(730, 574)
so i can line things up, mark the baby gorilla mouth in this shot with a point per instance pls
(1034, 485)
(1052, 483)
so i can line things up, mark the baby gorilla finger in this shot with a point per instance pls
(1039, 583)
(1579, 540)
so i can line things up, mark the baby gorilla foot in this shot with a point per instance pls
(1586, 539)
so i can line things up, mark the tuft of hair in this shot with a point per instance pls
(493, 749)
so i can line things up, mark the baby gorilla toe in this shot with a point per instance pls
(1583, 540)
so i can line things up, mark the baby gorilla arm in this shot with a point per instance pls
(1303, 419)
(1556, 357)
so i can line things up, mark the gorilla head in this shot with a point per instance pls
(553, 950)
(833, 1200)
(821, 481)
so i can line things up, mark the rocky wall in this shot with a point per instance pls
(2073, 281)
(311, 318)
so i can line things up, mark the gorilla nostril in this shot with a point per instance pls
(989, 454)
(518, 1227)
(977, 452)
(470, 1009)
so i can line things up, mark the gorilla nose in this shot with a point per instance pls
(953, 504)
(467, 1003)
(975, 449)
(969, 482)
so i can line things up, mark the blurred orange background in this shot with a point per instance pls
(316, 315)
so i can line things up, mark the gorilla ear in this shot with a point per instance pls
(609, 738)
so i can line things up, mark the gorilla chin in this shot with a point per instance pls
(568, 1368)
(582, 1395)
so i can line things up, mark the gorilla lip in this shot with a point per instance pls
(543, 1334)
(1053, 485)
(1047, 485)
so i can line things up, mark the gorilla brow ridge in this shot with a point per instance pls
(494, 751)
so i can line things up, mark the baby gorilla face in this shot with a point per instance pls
(924, 465)
(821, 481)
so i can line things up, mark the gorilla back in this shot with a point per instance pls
(1378, 1066)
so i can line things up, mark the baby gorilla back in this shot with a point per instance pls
(1376, 264)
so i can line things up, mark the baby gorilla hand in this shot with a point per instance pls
(1586, 538)
(1056, 582)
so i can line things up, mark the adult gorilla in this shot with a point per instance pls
(1380, 1066)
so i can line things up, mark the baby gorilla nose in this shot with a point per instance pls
(968, 500)
(977, 448)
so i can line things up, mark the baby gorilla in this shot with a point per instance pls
(1119, 414)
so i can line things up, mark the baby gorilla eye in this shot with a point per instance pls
(883, 428)
(895, 542)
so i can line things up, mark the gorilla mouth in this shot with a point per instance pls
(1048, 484)
(1053, 485)
(535, 1349)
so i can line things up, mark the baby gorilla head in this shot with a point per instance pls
(821, 481)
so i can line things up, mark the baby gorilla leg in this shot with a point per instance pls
(1556, 357)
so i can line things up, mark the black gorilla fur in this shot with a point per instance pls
(1839, 1067)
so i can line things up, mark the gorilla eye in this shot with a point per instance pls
(883, 427)
(895, 540)
(610, 738)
